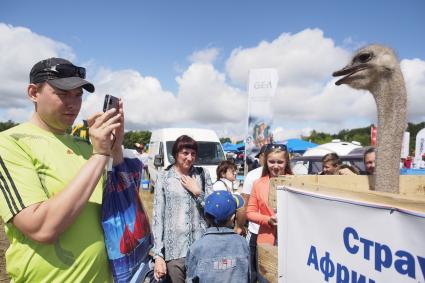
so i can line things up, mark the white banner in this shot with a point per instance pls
(405, 145)
(420, 146)
(326, 239)
(262, 87)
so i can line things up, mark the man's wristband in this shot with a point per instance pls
(101, 153)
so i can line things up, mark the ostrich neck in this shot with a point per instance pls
(390, 96)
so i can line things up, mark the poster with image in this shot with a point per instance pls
(262, 87)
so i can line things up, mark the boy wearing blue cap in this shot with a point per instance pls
(220, 255)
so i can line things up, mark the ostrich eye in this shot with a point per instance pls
(363, 58)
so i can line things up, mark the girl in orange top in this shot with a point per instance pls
(258, 210)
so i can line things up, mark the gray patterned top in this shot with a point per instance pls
(177, 216)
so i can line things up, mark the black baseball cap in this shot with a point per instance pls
(262, 150)
(61, 74)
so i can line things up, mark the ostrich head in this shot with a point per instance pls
(369, 65)
(376, 68)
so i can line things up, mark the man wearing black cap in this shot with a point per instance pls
(51, 182)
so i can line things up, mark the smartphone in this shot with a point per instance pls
(110, 102)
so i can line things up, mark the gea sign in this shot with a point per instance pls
(263, 84)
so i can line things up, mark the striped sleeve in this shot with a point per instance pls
(20, 185)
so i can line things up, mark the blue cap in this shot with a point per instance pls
(221, 205)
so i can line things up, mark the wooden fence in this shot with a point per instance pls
(411, 196)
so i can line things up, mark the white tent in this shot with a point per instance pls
(337, 146)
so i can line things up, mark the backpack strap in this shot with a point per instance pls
(201, 172)
(169, 166)
(225, 185)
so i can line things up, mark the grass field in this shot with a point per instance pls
(4, 243)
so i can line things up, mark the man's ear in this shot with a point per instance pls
(32, 92)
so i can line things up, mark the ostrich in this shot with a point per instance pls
(376, 68)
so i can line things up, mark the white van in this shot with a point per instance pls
(210, 151)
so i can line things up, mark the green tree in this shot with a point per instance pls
(361, 135)
(7, 125)
(224, 140)
(318, 137)
(132, 137)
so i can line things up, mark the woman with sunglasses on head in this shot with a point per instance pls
(258, 211)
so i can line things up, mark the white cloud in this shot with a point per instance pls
(207, 98)
(304, 58)
(146, 104)
(350, 44)
(20, 49)
(204, 98)
(414, 75)
(306, 97)
(204, 56)
(281, 134)
(17, 114)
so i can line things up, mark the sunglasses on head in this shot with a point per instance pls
(67, 70)
(271, 146)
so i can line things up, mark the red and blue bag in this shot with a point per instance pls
(125, 224)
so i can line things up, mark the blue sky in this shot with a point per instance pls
(164, 40)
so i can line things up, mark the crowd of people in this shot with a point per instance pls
(52, 185)
(332, 164)
(51, 195)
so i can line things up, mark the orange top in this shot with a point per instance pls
(258, 211)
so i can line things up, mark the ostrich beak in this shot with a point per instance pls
(347, 71)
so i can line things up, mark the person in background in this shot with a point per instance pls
(369, 157)
(178, 218)
(226, 176)
(276, 163)
(330, 164)
(143, 156)
(52, 182)
(226, 172)
(251, 236)
(220, 255)
(407, 162)
(346, 169)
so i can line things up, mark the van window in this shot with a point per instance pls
(316, 167)
(209, 153)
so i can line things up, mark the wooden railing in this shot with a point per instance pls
(411, 197)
